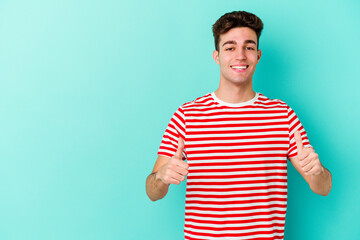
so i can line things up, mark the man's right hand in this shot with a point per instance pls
(175, 170)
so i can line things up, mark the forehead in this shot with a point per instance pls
(238, 35)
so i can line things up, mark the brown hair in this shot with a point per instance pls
(236, 19)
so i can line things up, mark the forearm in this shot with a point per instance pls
(322, 183)
(155, 188)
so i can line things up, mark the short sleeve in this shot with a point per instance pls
(175, 129)
(295, 125)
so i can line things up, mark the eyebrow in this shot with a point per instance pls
(233, 42)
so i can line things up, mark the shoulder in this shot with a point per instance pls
(199, 102)
(268, 102)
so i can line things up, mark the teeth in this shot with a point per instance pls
(239, 67)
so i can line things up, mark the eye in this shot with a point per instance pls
(250, 48)
(229, 49)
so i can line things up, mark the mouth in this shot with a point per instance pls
(240, 68)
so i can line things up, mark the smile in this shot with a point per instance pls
(242, 67)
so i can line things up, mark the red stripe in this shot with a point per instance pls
(231, 125)
(227, 209)
(234, 234)
(276, 180)
(205, 114)
(216, 107)
(223, 132)
(222, 138)
(262, 238)
(205, 202)
(254, 118)
(235, 189)
(234, 150)
(243, 221)
(236, 144)
(236, 215)
(189, 195)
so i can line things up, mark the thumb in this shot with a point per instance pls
(180, 149)
(298, 141)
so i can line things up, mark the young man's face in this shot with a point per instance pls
(237, 55)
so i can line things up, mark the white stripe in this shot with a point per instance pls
(237, 153)
(271, 146)
(280, 106)
(203, 110)
(237, 185)
(219, 225)
(252, 140)
(238, 166)
(224, 212)
(235, 192)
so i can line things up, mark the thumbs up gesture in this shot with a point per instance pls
(308, 159)
(175, 170)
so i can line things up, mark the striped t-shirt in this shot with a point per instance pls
(237, 156)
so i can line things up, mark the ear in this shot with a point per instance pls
(259, 55)
(216, 56)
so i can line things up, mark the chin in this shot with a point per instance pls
(241, 82)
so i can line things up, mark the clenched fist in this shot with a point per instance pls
(175, 170)
(308, 159)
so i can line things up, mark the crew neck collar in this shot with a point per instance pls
(241, 104)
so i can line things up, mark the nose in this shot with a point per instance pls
(240, 54)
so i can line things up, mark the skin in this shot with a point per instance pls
(166, 171)
(308, 164)
(237, 47)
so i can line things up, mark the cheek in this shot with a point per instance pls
(224, 58)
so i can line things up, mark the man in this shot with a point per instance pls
(236, 143)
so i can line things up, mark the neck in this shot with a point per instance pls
(231, 93)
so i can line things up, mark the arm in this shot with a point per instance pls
(307, 163)
(166, 171)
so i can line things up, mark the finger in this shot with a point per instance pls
(317, 169)
(303, 156)
(307, 167)
(172, 177)
(176, 177)
(298, 141)
(180, 163)
(181, 170)
(173, 181)
(180, 149)
(312, 170)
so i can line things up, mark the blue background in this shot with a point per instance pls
(88, 87)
